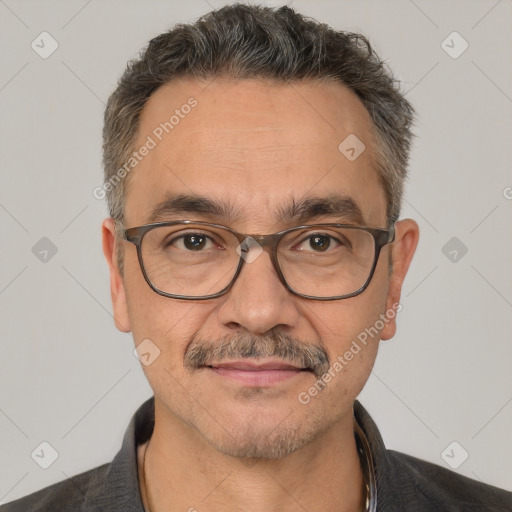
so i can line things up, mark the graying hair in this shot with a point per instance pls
(250, 42)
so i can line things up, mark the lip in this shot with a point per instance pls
(251, 372)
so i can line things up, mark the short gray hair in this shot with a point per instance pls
(247, 42)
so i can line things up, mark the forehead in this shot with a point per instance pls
(254, 145)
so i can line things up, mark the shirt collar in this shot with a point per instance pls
(121, 492)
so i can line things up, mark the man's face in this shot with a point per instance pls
(256, 148)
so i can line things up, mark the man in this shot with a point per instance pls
(254, 167)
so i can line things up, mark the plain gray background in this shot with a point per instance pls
(69, 378)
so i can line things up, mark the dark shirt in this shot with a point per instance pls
(404, 483)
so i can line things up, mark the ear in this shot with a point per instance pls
(407, 234)
(117, 290)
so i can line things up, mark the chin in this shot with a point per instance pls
(262, 435)
(257, 445)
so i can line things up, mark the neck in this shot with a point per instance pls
(180, 471)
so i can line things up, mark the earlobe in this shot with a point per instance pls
(403, 248)
(117, 289)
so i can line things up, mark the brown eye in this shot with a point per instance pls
(194, 242)
(320, 242)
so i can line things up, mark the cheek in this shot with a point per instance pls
(339, 323)
(352, 349)
(167, 323)
(350, 331)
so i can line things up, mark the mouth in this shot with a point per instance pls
(257, 373)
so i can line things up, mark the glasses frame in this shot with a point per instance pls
(381, 237)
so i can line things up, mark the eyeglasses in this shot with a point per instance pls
(198, 260)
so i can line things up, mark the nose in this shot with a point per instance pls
(258, 301)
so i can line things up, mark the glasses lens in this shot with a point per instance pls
(326, 261)
(189, 260)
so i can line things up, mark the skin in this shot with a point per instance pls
(256, 145)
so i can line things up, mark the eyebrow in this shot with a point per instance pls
(342, 207)
(183, 204)
(302, 211)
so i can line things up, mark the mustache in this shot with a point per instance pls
(241, 346)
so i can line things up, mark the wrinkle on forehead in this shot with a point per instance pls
(256, 141)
